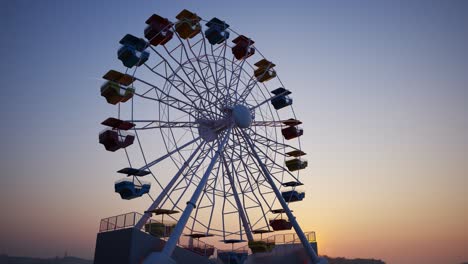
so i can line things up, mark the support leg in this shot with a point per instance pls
(164, 255)
(240, 208)
(305, 243)
(166, 190)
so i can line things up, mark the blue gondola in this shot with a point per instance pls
(129, 190)
(133, 51)
(217, 31)
(283, 100)
(293, 196)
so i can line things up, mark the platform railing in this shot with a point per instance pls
(161, 229)
(290, 238)
(197, 246)
(117, 222)
(129, 220)
(282, 239)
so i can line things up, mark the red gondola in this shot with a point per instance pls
(292, 132)
(117, 123)
(158, 31)
(114, 139)
(280, 224)
(243, 48)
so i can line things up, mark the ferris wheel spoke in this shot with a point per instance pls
(145, 161)
(280, 167)
(172, 101)
(169, 100)
(226, 87)
(174, 74)
(249, 170)
(241, 99)
(253, 82)
(291, 217)
(183, 184)
(172, 241)
(240, 208)
(182, 67)
(215, 76)
(192, 87)
(202, 77)
(210, 205)
(152, 124)
(166, 190)
(238, 69)
(256, 200)
(252, 168)
(268, 142)
(272, 123)
(273, 162)
(248, 88)
(235, 78)
(191, 171)
(213, 193)
(245, 193)
(156, 161)
(203, 45)
(229, 91)
(251, 85)
(173, 84)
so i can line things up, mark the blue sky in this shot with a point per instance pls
(382, 88)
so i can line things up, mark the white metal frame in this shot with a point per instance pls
(190, 82)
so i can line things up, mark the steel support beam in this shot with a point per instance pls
(240, 208)
(166, 190)
(164, 255)
(305, 243)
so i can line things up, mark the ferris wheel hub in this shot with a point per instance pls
(241, 116)
(238, 116)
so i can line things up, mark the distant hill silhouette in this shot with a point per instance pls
(353, 261)
(4, 259)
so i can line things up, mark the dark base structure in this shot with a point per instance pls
(131, 246)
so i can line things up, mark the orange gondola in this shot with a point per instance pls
(188, 25)
(265, 70)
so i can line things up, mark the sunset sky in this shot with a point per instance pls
(381, 86)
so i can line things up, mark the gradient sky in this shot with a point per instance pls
(382, 88)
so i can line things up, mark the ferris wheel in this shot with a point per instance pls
(209, 132)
